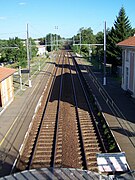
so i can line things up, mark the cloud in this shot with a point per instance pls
(2, 18)
(22, 3)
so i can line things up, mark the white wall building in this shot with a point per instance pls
(128, 64)
(41, 50)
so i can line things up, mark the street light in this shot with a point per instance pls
(56, 27)
(104, 80)
(80, 41)
(28, 58)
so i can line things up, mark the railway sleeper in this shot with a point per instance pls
(92, 164)
(46, 149)
(90, 138)
(87, 130)
(91, 145)
(60, 136)
(50, 115)
(31, 140)
(34, 133)
(91, 141)
(43, 153)
(25, 162)
(59, 132)
(49, 126)
(58, 156)
(91, 153)
(39, 164)
(47, 121)
(92, 149)
(86, 124)
(88, 134)
(58, 159)
(84, 114)
(27, 156)
(59, 142)
(47, 135)
(47, 130)
(84, 118)
(43, 159)
(59, 150)
(92, 159)
(44, 141)
(29, 149)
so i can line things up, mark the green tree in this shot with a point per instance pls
(14, 51)
(33, 48)
(121, 30)
(99, 40)
(85, 36)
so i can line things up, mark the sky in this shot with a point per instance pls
(63, 17)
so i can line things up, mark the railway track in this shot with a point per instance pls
(65, 131)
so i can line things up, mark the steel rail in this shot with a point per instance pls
(89, 106)
(78, 121)
(42, 118)
(57, 118)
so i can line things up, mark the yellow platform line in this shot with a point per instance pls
(1, 142)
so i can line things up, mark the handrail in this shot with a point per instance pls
(112, 105)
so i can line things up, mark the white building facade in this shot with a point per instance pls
(128, 65)
(41, 50)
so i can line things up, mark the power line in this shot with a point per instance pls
(12, 33)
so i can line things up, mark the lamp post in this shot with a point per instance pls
(104, 80)
(56, 27)
(28, 58)
(80, 41)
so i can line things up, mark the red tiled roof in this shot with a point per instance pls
(128, 42)
(6, 72)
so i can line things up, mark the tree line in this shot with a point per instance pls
(14, 49)
(120, 31)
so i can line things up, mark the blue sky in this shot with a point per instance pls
(68, 15)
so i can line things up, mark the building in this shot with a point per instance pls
(128, 64)
(41, 50)
(6, 86)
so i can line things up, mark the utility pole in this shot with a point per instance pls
(28, 57)
(73, 40)
(51, 41)
(56, 27)
(80, 41)
(104, 80)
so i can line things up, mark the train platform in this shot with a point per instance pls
(17, 117)
(121, 123)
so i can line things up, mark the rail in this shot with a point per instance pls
(57, 118)
(40, 125)
(90, 108)
(77, 114)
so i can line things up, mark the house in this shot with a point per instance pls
(41, 50)
(6, 86)
(128, 64)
